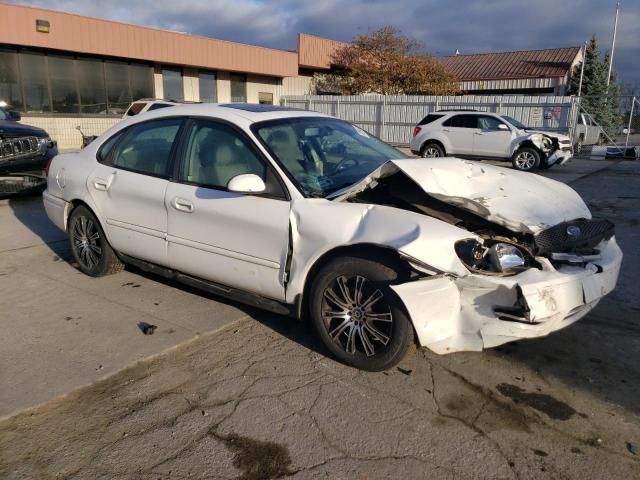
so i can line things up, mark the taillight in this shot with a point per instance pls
(416, 131)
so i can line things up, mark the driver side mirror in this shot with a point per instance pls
(246, 183)
(502, 126)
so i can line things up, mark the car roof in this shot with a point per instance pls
(238, 113)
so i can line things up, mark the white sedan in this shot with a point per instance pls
(307, 215)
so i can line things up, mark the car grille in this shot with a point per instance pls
(13, 148)
(578, 236)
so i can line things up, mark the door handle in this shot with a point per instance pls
(182, 204)
(446, 130)
(479, 133)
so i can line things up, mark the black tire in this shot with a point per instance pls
(526, 159)
(391, 322)
(432, 150)
(89, 245)
(577, 148)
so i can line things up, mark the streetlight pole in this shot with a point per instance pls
(613, 43)
(584, 60)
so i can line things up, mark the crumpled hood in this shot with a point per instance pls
(520, 201)
(559, 136)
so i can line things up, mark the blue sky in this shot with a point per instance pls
(469, 26)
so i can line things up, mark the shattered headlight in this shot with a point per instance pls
(493, 257)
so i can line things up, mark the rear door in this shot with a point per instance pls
(489, 140)
(460, 129)
(129, 184)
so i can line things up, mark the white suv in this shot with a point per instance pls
(484, 135)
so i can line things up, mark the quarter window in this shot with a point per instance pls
(147, 147)
(461, 121)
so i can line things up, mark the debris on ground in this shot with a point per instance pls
(632, 448)
(147, 328)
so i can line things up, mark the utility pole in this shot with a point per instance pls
(584, 60)
(613, 43)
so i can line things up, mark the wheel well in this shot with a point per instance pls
(386, 255)
(529, 144)
(73, 204)
(437, 142)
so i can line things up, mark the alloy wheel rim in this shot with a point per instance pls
(431, 152)
(525, 160)
(356, 315)
(86, 239)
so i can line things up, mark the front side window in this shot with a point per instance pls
(486, 122)
(172, 84)
(215, 153)
(323, 155)
(147, 147)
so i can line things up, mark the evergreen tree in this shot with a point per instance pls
(597, 99)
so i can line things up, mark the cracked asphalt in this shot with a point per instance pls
(261, 398)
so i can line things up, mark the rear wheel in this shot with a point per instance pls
(357, 315)
(432, 150)
(526, 159)
(89, 245)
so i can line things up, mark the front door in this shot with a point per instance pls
(490, 139)
(238, 240)
(129, 187)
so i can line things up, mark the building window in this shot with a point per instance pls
(10, 89)
(33, 71)
(118, 92)
(265, 98)
(93, 93)
(208, 91)
(172, 84)
(141, 81)
(238, 88)
(62, 79)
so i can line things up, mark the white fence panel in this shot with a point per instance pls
(393, 117)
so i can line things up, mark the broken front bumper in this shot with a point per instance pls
(455, 314)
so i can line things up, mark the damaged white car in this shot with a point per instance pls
(484, 135)
(310, 216)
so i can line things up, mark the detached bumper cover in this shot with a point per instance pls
(455, 314)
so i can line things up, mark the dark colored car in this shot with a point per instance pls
(24, 150)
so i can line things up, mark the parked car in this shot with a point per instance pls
(483, 135)
(146, 105)
(24, 150)
(587, 132)
(303, 214)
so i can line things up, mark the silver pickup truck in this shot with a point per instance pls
(587, 132)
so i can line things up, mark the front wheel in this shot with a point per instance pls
(89, 245)
(357, 315)
(526, 159)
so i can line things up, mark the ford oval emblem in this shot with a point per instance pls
(573, 231)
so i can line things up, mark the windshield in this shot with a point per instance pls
(514, 122)
(323, 155)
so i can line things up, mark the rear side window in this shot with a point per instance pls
(430, 118)
(147, 147)
(462, 121)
